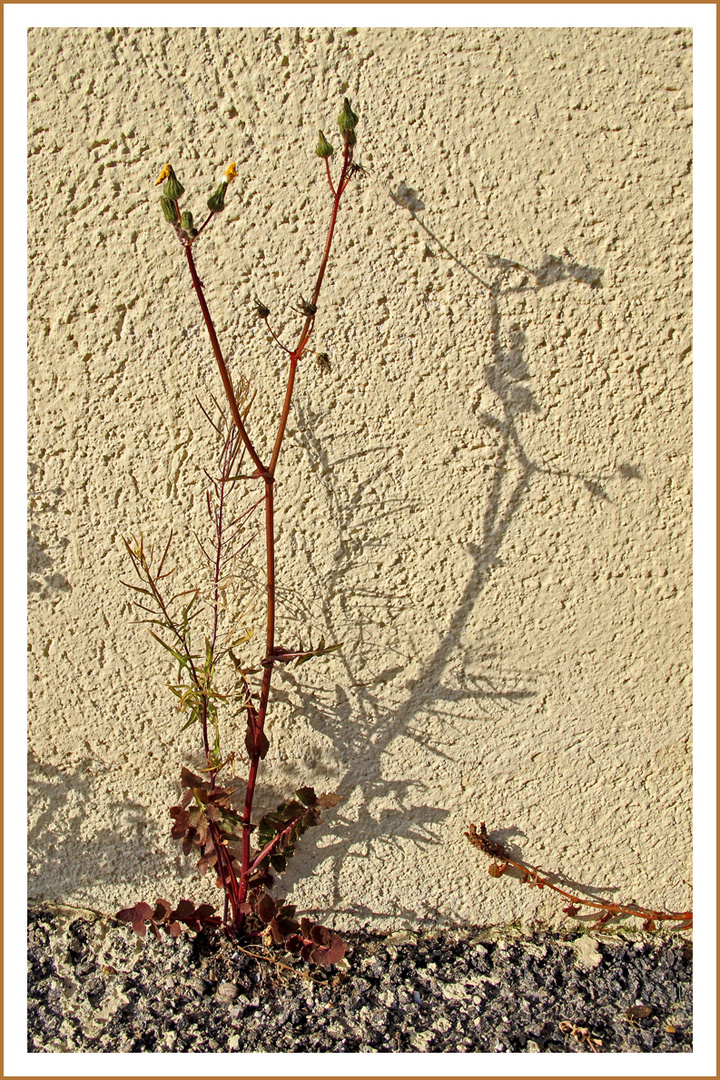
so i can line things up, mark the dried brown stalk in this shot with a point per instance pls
(533, 877)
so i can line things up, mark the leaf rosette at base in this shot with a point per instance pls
(310, 941)
(164, 916)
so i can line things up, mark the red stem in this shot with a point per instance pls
(227, 382)
(327, 169)
(239, 890)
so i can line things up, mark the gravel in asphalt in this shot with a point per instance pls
(95, 987)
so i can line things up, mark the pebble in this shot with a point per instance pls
(227, 991)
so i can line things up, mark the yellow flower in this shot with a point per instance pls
(231, 172)
(163, 175)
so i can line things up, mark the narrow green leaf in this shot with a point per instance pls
(136, 588)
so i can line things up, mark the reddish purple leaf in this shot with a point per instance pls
(250, 738)
(320, 935)
(206, 861)
(287, 925)
(204, 911)
(266, 908)
(294, 944)
(126, 915)
(162, 910)
(331, 954)
(185, 909)
(277, 934)
(190, 780)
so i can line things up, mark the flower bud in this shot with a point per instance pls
(173, 188)
(186, 220)
(347, 119)
(169, 209)
(324, 149)
(216, 202)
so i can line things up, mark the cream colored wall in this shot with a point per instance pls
(488, 500)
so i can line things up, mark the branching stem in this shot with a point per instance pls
(238, 890)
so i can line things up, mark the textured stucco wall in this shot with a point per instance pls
(488, 500)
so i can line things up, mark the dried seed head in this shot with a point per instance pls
(323, 362)
(306, 308)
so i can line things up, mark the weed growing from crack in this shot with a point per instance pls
(203, 632)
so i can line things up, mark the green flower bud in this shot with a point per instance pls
(216, 202)
(347, 118)
(169, 209)
(324, 149)
(172, 189)
(186, 220)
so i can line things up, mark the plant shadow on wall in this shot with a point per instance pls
(422, 698)
(43, 539)
(204, 630)
(66, 850)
